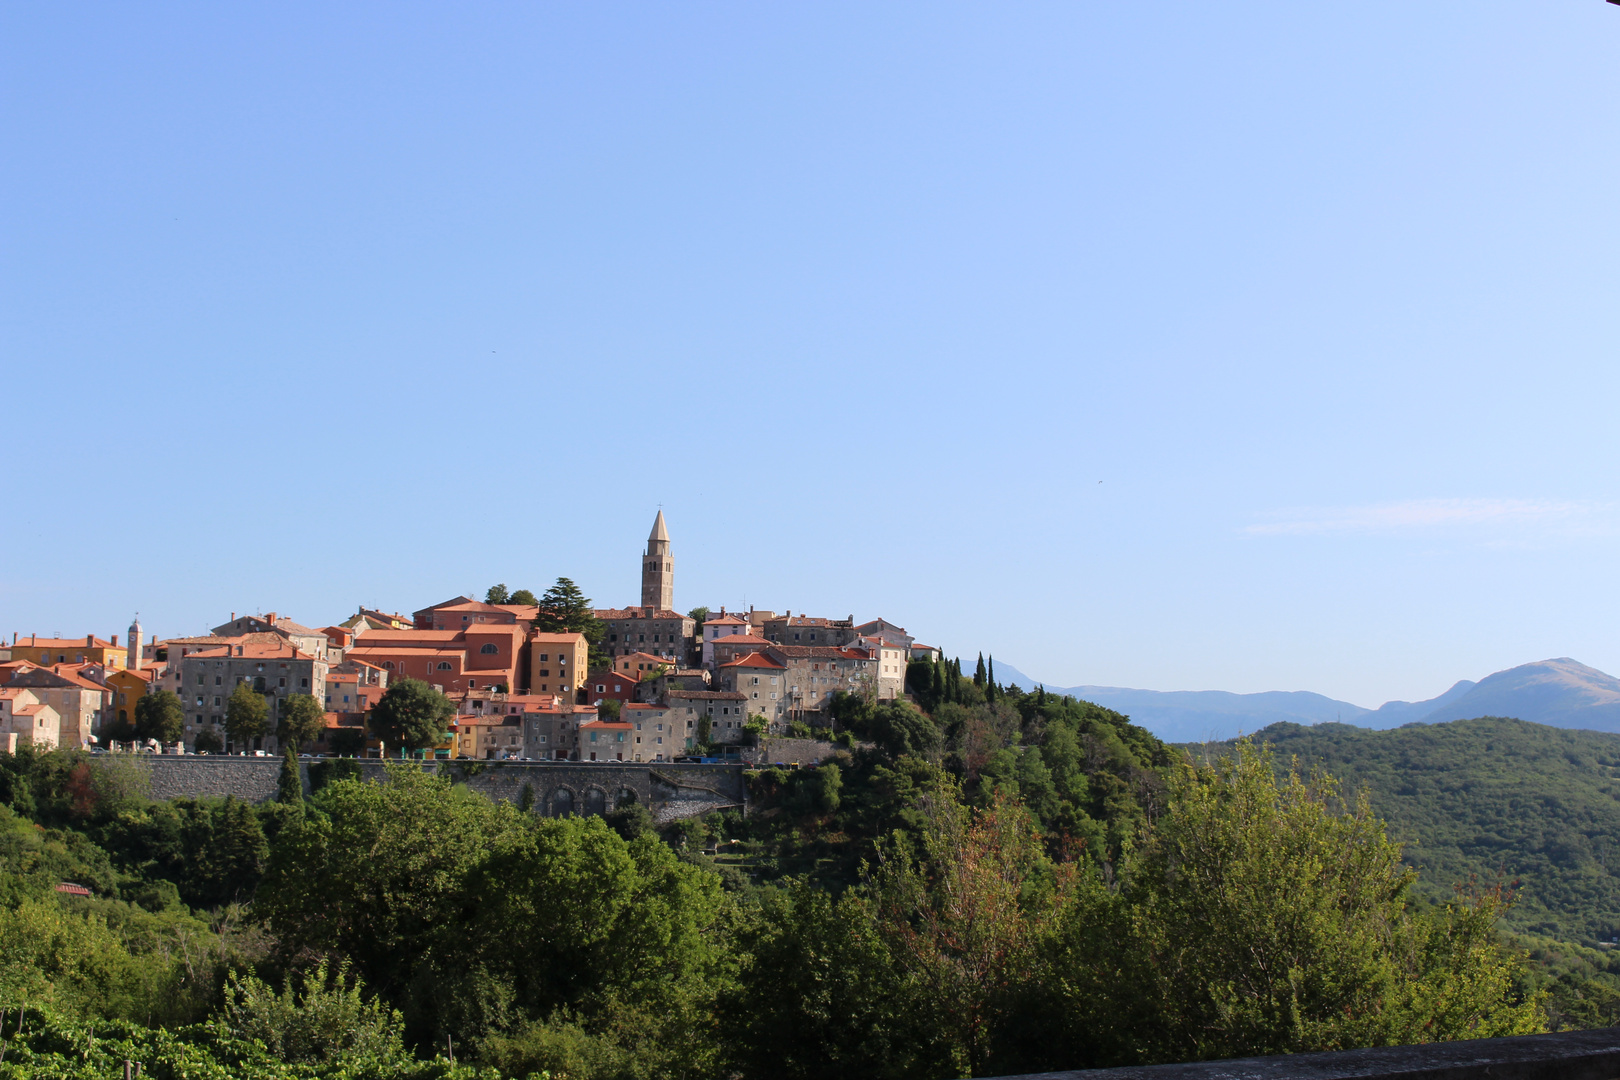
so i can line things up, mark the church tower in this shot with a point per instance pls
(134, 661)
(658, 569)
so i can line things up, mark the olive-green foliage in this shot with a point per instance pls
(246, 715)
(208, 742)
(421, 885)
(1266, 916)
(53, 1045)
(411, 714)
(301, 720)
(159, 716)
(289, 783)
(1479, 798)
(320, 1015)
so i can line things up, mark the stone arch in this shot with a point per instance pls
(595, 801)
(626, 797)
(562, 802)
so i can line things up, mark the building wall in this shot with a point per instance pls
(206, 683)
(48, 651)
(669, 791)
(557, 663)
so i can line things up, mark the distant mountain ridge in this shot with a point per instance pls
(1560, 692)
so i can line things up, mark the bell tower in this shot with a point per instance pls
(658, 569)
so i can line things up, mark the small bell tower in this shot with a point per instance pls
(658, 569)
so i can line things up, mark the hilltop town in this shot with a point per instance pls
(546, 678)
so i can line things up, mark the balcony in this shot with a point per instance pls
(1567, 1055)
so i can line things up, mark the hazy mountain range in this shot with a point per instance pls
(1562, 693)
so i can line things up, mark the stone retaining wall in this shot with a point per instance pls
(670, 791)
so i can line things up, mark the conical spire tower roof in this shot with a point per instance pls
(659, 531)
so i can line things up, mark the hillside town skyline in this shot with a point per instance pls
(641, 683)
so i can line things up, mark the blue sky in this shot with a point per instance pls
(1178, 346)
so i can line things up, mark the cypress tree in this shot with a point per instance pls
(990, 676)
(956, 681)
(289, 786)
(978, 672)
(991, 690)
(936, 690)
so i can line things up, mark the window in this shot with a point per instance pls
(283, 680)
(216, 703)
(490, 649)
(303, 682)
(544, 657)
(444, 665)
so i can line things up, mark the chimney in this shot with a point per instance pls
(239, 650)
(115, 641)
(233, 616)
(89, 641)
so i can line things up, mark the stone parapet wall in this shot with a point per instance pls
(669, 791)
(788, 751)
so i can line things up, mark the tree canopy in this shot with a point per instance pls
(246, 714)
(411, 714)
(159, 715)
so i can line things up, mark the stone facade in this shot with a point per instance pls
(658, 569)
(793, 629)
(277, 671)
(659, 632)
(558, 788)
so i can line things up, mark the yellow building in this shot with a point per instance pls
(127, 686)
(86, 650)
(557, 663)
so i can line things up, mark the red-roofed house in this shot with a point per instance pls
(603, 686)
(483, 656)
(24, 718)
(127, 686)
(605, 740)
(727, 649)
(80, 703)
(719, 626)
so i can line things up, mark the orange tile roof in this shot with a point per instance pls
(281, 650)
(636, 613)
(731, 640)
(754, 659)
(611, 724)
(568, 638)
(725, 620)
(32, 642)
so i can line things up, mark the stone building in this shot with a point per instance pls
(495, 737)
(657, 631)
(885, 629)
(791, 629)
(605, 740)
(305, 639)
(761, 680)
(725, 710)
(277, 671)
(551, 730)
(657, 733)
(891, 659)
(79, 703)
(814, 673)
(24, 718)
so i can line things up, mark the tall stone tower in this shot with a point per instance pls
(134, 662)
(658, 569)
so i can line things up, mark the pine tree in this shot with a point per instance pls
(290, 786)
(566, 610)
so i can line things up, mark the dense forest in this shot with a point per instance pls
(1532, 807)
(986, 882)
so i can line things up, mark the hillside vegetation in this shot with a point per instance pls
(1475, 799)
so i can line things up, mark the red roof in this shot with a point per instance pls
(624, 724)
(560, 639)
(725, 620)
(636, 613)
(281, 650)
(733, 640)
(32, 642)
(754, 659)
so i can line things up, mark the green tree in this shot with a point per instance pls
(497, 594)
(159, 715)
(302, 720)
(208, 742)
(1267, 916)
(978, 672)
(699, 615)
(411, 714)
(609, 709)
(523, 596)
(566, 610)
(289, 784)
(246, 715)
(325, 1019)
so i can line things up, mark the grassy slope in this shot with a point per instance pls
(1473, 798)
